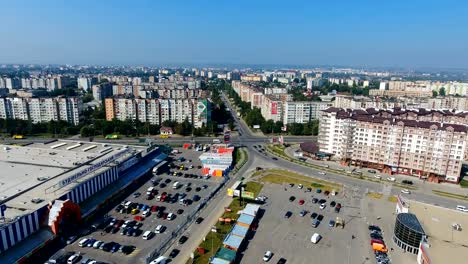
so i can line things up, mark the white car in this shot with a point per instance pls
(462, 208)
(170, 216)
(97, 244)
(322, 173)
(299, 186)
(267, 256)
(146, 213)
(392, 179)
(378, 176)
(322, 206)
(160, 229)
(405, 191)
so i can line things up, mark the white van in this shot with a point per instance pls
(83, 242)
(127, 205)
(150, 191)
(73, 259)
(159, 260)
(315, 238)
(175, 185)
(147, 235)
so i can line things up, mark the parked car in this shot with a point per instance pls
(292, 198)
(303, 213)
(313, 215)
(288, 214)
(199, 220)
(300, 186)
(183, 239)
(281, 261)
(174, 253)
(301, 202)
(322, 206)
(267, 256)
(332, 204)
(331, 223)
(315, 200)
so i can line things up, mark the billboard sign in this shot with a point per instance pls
(248, 195)
(274, 108)
(90, 169)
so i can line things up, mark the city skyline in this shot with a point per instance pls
(362, 34)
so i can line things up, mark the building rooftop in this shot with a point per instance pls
(410, 221)
(443, 239)
(246, 219)
(239, 231)
(233, 241)
(37, 173)
(251, 209)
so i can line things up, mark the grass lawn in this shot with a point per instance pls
(451, 195)
(374, 195)
(464, 183)
(254, 187)
(279, 176)
(213, 241)
(392, 199)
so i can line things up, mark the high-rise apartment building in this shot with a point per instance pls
(156, 111)
(41, 109)
(427, 144)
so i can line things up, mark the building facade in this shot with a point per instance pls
(426, 144)
(156, 111)
(42, 109)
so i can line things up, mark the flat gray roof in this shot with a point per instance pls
(445, 242)
(35, 170)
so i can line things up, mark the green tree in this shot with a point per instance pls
(88, 97)
(295, 129)
(277, 127)
(442, 91)
(267, 127)
(231, 124)
(435, 93)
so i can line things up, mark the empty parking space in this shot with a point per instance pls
(288, 235)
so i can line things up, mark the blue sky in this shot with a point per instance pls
(360, 33)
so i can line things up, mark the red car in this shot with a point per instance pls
(139, 218)
(154, 208)
(301, 202)
(119, 223)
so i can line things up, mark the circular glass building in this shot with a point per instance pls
(408, 232)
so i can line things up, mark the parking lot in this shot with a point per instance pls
(290, 238)
(145, 211)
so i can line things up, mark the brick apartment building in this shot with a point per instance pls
(428, 144)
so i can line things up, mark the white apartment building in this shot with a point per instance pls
(303, 111)
(43, 109)
(70, 109)
(156, 111)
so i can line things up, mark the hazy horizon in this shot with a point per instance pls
(367, 34)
